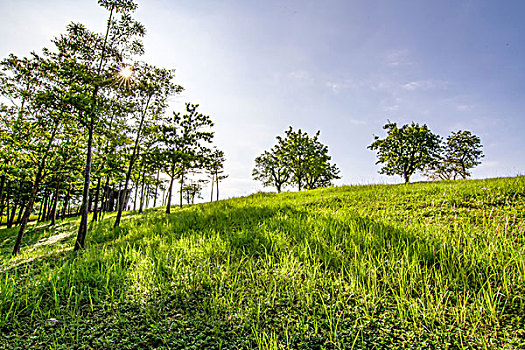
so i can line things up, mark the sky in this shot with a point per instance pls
(343, 67)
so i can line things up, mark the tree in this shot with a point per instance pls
(182, 145)
(462, 151)
(154, 88)
(407, 149)
(193, 190)
(120, 41)
(271, 169)
(215, 167)
(297, 159)
(36, 117)
(307, 160)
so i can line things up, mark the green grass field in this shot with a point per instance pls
(427, 265)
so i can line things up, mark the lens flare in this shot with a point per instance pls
(126, 72)
(124, 76)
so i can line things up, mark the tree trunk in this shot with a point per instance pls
(44, 207)
(82, 229)
(119, 196)
(30, 203)
(105, 198)
(168, 200)
(181, 185)
(217, 183)
(2, 211)
(95, 203)
(66, 203)
(212, 184)
(20, 212)
(55, 203)
(156, 189)
(39, 218)
(47, 217)
(11, 215)
(132, 160)
(2, 185)
(34, 190)
(136, 193)
(141, 207)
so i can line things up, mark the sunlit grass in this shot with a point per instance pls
(428, 265)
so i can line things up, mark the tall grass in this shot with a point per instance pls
(427, 265)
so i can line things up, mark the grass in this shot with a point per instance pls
(428, 265)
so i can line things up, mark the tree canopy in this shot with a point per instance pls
(460, 153)
(297, 159)
(406, 149)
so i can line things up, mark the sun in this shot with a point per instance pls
(126, 72)
(124, 76)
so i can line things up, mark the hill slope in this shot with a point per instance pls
(427, 265)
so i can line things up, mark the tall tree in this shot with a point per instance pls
(407, 149)
(120, 41)
(153, 89)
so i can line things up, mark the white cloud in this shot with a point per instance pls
(423, 85)
(363, 85)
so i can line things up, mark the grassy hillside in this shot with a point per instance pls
(427, 265)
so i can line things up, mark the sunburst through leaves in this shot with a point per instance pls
(124, 76)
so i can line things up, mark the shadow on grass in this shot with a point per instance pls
(36, 233)
(250, 232)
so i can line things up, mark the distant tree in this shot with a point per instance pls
(182, 146)
(307, 160)
(271, 169)
(297, 159)
(462, 151)
(407, 149)
(192, 190)
(215, 168)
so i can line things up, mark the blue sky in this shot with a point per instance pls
(342, 67)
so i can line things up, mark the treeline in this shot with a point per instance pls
(84, 127)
